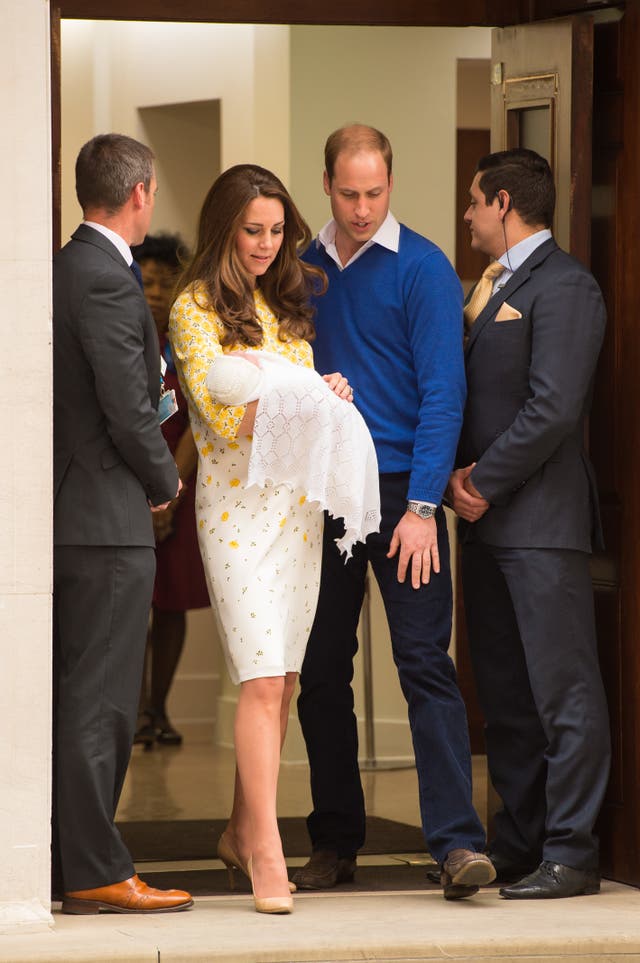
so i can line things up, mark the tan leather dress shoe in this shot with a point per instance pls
(464, 871)
(130, 896)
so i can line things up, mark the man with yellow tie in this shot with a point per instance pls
(526, 497)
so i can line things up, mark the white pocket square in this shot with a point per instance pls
(507, 313)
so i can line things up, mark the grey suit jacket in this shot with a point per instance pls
(110, 457)
(529, 390)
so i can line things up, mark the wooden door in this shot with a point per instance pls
(546, 95)
(615, 424)
(541, 95)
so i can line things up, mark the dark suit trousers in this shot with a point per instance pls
(101, 609)
(420, 626)
(533, 646)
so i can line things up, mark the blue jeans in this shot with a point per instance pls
(420, 627)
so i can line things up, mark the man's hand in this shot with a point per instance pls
(417, 539)
(165, 505)
(339, 385)
(465, 499)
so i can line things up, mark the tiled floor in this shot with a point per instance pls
(195, 781)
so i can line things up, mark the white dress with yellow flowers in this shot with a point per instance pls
(261, 547)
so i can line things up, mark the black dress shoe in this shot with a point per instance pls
(145, 733)
(554, 881)
(166, 735)
(324, 870)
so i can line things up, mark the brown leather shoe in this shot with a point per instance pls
(130, 896)
(324, 870)
(464, 871)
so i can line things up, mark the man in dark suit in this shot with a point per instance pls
(526, 493)
(110, 464)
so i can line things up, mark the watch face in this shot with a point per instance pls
(423, 511)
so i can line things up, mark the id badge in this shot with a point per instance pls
(167, 405)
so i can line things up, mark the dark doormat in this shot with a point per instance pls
(214, 882)
(197, 838)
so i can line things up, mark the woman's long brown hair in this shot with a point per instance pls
(286, 285)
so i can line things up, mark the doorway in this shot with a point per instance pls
(618, 394)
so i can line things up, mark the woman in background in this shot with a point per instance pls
(180, 583)
(247, 290)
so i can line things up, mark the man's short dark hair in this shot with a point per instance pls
(527, 178)
(108, 168)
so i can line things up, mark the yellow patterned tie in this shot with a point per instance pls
(481, 293)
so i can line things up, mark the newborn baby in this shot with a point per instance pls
(234, 380)
(304, 436)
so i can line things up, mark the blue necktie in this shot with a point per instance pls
(135, 267)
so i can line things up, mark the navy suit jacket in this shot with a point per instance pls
(529, 389)
(110, 458)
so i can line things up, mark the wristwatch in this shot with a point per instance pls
(422, 509)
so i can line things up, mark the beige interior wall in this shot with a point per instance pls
(399, 79)
(474, 93)
(111, 69)
(166, 129)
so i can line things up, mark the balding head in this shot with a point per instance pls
(355, 139)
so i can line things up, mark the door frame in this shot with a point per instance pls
(624, 302)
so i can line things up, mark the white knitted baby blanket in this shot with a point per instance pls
(304, 437)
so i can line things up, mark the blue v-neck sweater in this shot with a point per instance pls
(392, 323)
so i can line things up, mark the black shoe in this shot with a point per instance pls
(145, 734)
(166, 735)
(324, 870)
(554, 881)
(510, 870)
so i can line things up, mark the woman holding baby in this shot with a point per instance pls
(246, 292)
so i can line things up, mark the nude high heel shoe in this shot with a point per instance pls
(232, 861)
(270, 904)
(228, 856)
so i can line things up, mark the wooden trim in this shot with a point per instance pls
(471, 145)
(552, 9)
(429, 13)
(424, 13)
(628, 426)
(581, 133)
(56, 128)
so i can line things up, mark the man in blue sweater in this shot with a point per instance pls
(391, 321)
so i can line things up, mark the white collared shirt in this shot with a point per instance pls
(116, 239)
(515, 256)
(387, 235)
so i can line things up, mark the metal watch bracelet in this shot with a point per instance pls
(422, 509)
